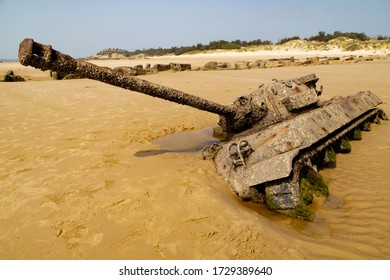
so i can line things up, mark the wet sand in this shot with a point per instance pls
(82, 175)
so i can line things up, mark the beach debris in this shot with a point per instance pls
(140, 70)
(283, 62)
(180, 66)
(276, 138)
(215, 65)
(58, 75)
(241, 65)
(11, 77)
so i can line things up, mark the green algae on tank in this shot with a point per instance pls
(356, 134)
(343, 146)
(313, 182)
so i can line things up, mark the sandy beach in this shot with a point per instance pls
(83, 175)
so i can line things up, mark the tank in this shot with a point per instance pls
(276, 138)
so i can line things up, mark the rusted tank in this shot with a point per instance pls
(276, 138)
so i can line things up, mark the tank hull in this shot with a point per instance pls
(270, 173)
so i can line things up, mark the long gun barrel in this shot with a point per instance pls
(45, 58)
(268, 104)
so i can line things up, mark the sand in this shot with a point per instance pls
(83, 175)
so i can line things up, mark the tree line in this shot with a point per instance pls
(213, 45)
(237, 44)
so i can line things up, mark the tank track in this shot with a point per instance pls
(286, 195)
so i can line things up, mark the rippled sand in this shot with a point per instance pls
(84, 176)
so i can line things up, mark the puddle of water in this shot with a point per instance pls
(182, 142)
(148, 153)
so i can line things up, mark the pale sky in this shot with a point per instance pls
(82, 28)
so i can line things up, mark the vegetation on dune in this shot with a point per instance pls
(348, 41)
(324, 37)
(213, 45)
(110, 51)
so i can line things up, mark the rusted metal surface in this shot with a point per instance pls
(44, 57)
(276, 147)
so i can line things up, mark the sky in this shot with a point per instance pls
(81, 28)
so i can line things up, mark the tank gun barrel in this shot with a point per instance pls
(45, 58)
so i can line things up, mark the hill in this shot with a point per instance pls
(337, 41)
(340, 43)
